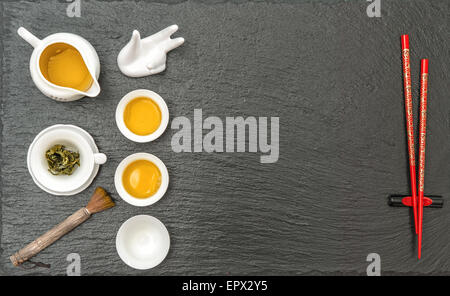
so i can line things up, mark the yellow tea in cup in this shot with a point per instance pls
(141, 178)
(142, 116)
(63, 65)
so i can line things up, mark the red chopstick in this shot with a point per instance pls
(422, 135)
(409, 122)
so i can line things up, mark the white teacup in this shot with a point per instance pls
(142, 242)
(121, 109)
(141, 202)
(74, 139)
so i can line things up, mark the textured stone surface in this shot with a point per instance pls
(330, 73)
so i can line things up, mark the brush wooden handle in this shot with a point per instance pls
(50, 236)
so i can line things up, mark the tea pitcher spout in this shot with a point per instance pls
(94, 90)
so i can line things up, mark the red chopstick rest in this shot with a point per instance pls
(432, 201)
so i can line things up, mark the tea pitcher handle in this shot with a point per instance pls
(100, 158)
(28, 37)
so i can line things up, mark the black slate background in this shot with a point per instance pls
(332, 75)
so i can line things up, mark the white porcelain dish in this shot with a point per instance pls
(142, 242)
(74, 138)
(121, 108)
(141, 202)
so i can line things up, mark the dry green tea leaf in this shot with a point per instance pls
(62, 161)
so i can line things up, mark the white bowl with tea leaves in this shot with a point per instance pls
(64, 160)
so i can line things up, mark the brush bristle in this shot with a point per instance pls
(100, 201)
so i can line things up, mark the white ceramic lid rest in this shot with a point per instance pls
(143, 57)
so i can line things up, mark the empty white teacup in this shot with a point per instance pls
(142, 242)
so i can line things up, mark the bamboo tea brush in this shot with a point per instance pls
(100, 201)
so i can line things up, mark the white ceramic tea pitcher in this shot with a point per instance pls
(50, 89)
